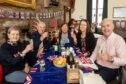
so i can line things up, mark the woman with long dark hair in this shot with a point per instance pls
(85, 38)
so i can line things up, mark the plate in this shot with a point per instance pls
(59, 62)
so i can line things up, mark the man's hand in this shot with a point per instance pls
(105, 57)
(43, 36)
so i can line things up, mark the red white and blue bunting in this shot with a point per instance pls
(12, 14)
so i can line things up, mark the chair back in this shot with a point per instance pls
(123, 75)
(1, 73)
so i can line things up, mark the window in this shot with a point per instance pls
(97, 10)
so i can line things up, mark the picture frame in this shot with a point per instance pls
(119, 12)
(117, 24)
(54, 2)
(120, 24)
(123, 24)
(21, 3)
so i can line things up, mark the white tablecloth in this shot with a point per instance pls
(90, 78)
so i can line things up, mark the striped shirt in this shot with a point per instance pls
(114, 46)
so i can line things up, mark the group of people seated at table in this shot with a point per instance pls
(108, 53)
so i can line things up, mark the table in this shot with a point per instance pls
(51, 75)
(90, 78)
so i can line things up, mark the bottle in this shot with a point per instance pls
(42, 65)
(56, 40)
(70, 60)
(56, 49)
(76, 61)
(67, 57)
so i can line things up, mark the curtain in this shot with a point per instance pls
(89, 11)
(105, 9)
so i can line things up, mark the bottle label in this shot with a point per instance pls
(55, 47)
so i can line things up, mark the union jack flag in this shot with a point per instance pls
(51, 58)
(33, 69)
(28, 79)
(86, 60)
(81, 55)
(37, 63)
(78, 51)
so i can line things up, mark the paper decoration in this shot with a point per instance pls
(33, 15)
(43, 15)
(48, 15)
(17, 14)
(40, 15)
(51, 15)
(29, 15)
(2, 13)
(10, 14)
(22, 15)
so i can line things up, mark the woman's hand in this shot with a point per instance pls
(27, 68)
(86, 54)
(43, 36)
(40, 51)
(28, 48)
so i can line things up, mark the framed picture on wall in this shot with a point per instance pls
(123, 24)
(21, 3)
(54, 2)
(117, 24)
(119, 12)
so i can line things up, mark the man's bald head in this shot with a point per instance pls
(41, 27)
(107, 27)
(106, 20)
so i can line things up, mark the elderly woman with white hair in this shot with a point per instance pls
(12, 57)
(110, 52)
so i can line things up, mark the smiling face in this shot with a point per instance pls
(41, 27)
(13, 36)
(107, 27)
(64, 28)
(83, 26)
